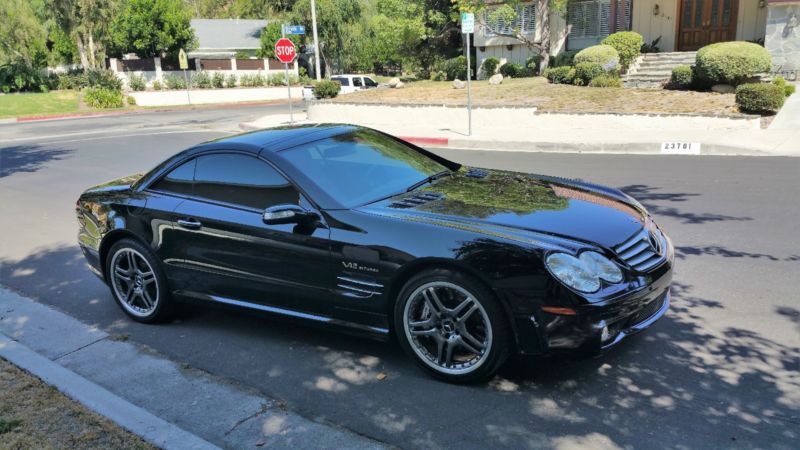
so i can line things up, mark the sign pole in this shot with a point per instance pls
(469, 91)
(183, 63)
(316, 40)
(288, 85)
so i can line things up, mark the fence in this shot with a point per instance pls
(156, 69)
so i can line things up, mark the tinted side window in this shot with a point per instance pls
(179, 181)
(357, 81)
(370, 82)
(241, 180)
(342, 80)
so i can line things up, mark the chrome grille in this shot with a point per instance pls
(644, 251)
(353, 287)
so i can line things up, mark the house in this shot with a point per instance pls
(681, 25)
(223, 38)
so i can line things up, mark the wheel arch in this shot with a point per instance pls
(411, 269)
(108, 241)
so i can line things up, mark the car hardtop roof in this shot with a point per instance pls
(279, 138)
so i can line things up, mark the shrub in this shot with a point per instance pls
(327, 89)
(201, 80)
(157, 85)
(605, 55)
(252, 80)
(279, 79)
(438, 75)
(532, 65)
(560, 75)
(18, 76)
(681, 78)
(732, 62)
(586, 71)
(788, 89)
(99, 97)
(103, 78)
(628, 45)
(652, 47)
(174, 82)
(230, 80)
(760, 97)
(217, 80)
(512, 70)
(72, 80)
(606, 80)
(490, 66)
(456, 68)
(131, 101)
(136, 82)
(565, 58)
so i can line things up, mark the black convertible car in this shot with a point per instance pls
(352, 227)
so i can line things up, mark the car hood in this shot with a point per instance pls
(554, 206)
(118, 184)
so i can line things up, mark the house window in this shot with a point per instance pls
(524, 22)
(593, 20)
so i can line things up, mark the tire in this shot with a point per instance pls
(145, 296)
(445, 309)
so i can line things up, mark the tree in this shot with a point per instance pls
(507, 13)
(270, 35)
(242, 9)
(86, 23)
(152, 28)
(21, 35)
(396, 31)
(335, 20)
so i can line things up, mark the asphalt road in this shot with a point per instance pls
(721, 370)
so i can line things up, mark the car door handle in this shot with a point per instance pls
(190, 224)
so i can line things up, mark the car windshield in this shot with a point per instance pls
(362, 167)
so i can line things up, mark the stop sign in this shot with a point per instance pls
(284, 50)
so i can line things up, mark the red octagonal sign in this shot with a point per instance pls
(284, 50)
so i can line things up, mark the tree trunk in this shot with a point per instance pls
(92, 54)
(82, 53)
(545, 43)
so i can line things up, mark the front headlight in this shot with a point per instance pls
(583, 273)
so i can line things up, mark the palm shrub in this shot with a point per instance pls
(732, 62)
(605, 55)
(490, 66)
(217, 80)
(586, 71)
(230, 80)
(560, 75)
(326, 89)
(136, 82)
(628, 45)
(100, 97)
(760, 98)
(682, 77)
(512, 70)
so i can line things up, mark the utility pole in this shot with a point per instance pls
(316, 40)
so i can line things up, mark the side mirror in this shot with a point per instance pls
(281, 214)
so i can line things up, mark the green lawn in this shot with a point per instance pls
(56, 102)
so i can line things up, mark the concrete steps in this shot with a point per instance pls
(654, 69)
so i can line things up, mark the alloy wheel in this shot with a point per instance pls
(134, 282)
(447, 328)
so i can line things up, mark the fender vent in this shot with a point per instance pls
(416, 200)
(352, 287)
(473, 172)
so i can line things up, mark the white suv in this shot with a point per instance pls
(352, 83)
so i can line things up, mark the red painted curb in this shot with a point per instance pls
(426, 140)
(68, 116)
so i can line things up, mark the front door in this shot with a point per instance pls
(704, 22)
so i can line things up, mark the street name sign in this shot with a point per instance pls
(294, 29)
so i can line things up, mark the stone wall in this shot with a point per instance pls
(783, 37)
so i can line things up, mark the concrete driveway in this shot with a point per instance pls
(720, 370)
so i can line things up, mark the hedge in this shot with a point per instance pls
(732, 62)
(606, 80)
(605, 55)
(628, 44)
(327, 89)
(560, 75)
(490, 66)
(681, 77)
(512, 70)
(586, 71)
(100, 97)
(760, 98)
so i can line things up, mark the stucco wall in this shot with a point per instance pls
(202, 96)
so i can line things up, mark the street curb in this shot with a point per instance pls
(130, 417)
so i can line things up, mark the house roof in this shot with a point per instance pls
(228, 34)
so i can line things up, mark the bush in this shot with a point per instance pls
(217, 80)
(327, 89)
(131, 101)
(605, 55)
(136, 82)
(760, 98)
(682, 77)
(628, 45)
(565, 58)
(512, 70)
(438, 75)
(99, 97)
(653, 47)
(279, 79)
(560, 75)
(174, 82)
(532, 65)
(490, 66)
(18, 76)
(586, 71)
(732, 62)
(606, 80)
(230, 80)
(788, 89)
(103, 78)
(252, 80)
(72, 80)
(456, 68)
(157, 85)
(201, 80)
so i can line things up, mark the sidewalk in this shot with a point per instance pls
(167, 404)
(782, 138)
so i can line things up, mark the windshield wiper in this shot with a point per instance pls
(430, 179)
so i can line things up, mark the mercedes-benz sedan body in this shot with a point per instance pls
(351, 227)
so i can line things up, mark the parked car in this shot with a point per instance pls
(353, 228)
(352, 83)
